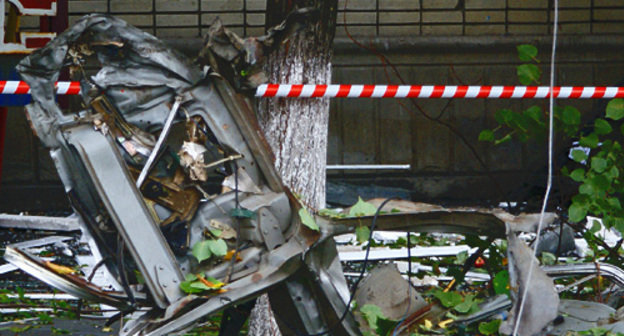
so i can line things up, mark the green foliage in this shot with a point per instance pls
(528, 74)
(600, 186)
(527, 53)
(489, 328)
(615, 109)
(462, 304)
(376, 320)
(192, 284)
(331, 213)
(447, 299)
(307, 219)
(531, 124)
(362, 208)
(501, 282)
(205, 249)
(598, 331)
(362, 233)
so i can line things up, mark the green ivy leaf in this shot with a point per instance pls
(307, 219)
(362, 233)
(528, 73)
(489, 328)
(598, 164)
(614, 202)
(571, 116)
(448, 299)
(371, 314)
(619, 224)
(534, 112)
(586, 188)
(330, 213)
(362, 208)
(218, 247)
(595, 226)
(600, 183)
(200, 286)
(590, 141)
(486, 135)
(503, 116)
(201, 250)
(186, 287)
(527, 52)
(615, 109)
(613, 173)
(501, 282)
(578, 155)
(465, 306)
(602, 127)
(577, 213)
(578, 175)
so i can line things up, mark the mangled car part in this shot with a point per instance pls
(540, 300)
(169, 174)
(148, 201)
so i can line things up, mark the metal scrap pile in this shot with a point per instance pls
(175, 194)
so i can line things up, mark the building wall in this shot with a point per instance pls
(191, 18)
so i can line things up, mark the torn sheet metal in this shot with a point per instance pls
(149, 232)
(385, 288)
(71, 223)
(245, 183)
(66, 282)
(424, 217)
(241, 59)
(541, 300)
(585, 315)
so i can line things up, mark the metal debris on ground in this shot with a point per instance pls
(183, 214)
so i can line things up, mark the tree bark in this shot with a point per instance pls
(296, 129)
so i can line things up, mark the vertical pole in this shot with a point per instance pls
(3, 122)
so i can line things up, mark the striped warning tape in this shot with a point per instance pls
(435, 91)
(20, 87)
(386, 91)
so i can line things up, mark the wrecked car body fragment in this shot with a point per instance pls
(540, 298)
(143, 163)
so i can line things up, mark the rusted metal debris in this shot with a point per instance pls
(208, 173)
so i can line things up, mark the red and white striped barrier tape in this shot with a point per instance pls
(20, 87)
(435, 91)
(385, 91)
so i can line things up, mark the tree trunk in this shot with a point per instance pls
(296, 129)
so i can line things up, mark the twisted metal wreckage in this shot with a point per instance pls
(153, 129)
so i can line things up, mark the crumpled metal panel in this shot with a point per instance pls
(131, 58)
(541, 299)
